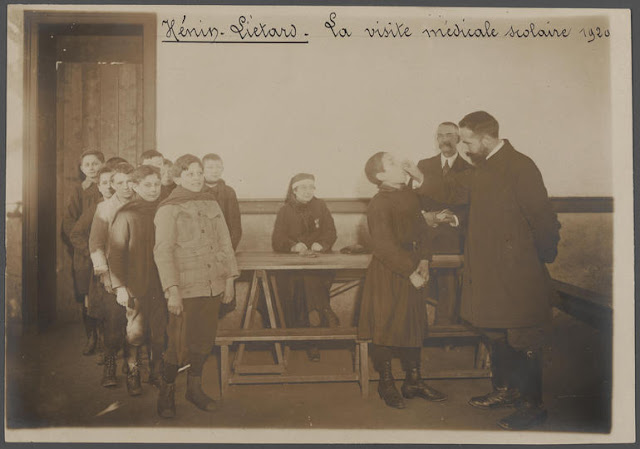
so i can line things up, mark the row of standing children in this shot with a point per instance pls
(164, 263)
(111, 224)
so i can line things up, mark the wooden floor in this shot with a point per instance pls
(51, 384)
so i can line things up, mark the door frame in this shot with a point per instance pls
(30, 197)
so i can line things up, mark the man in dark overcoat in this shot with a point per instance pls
(512, 232)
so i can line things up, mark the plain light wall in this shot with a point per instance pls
(274, 110)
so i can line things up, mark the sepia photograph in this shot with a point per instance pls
(319, 224)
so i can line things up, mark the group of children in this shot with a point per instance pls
(154, 261)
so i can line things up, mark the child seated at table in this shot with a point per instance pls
(393, 312)
(197, 268)
(304, 225)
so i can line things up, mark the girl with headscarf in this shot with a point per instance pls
(303, 225)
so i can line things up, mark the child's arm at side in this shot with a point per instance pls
(235, 221)
(163, 252)
(79, 235)
(118, 257)
(72, 213)
(98, 238)
(227, 256)
(384, 246)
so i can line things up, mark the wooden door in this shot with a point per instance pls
(99, 105)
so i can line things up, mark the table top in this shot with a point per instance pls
(267, 260)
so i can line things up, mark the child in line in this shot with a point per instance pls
(197, 268)
(112, 314)
(225, 195)
(305, 224)
(152, 157)
(392, 312)
(134, 276)
(79, 238)
(83, 196)
(167, 181)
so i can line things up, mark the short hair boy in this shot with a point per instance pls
(83, 196)
(392, 313)
(225, 195)
(98, 244)
(152, 157)
(166, 179)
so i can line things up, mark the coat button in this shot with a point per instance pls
(209, 265)
(202, 231)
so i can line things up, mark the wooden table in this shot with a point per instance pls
(350, 269)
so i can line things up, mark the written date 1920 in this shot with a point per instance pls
(593, 33)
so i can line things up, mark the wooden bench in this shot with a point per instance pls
(255, 374)
(588, 306)
(243, 374)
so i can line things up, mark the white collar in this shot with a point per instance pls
(495, 150)
(451, 159)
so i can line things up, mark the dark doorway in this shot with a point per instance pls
(90, 85)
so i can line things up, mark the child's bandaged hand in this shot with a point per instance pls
(229, 291)
(299, 248)
(423, 269)
(174, 301)
(417, 281)
(316, 247)
(106, 281)
(102, 269)
(122, 296)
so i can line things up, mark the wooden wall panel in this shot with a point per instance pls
(139, 117)
(100, 49)
(72, 141)
(90, 107)
(99, 106)
(108, 109)
(127, 120)
(62, 252)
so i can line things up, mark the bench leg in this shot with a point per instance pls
(264, 280)
(224, 368)
(252, 300)
(276, 296)
(364, 368)
(482, 360)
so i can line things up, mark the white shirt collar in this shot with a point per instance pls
(451, 159)
(495, 150)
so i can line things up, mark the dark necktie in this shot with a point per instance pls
(445, 167)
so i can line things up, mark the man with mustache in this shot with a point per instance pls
(446, 230)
